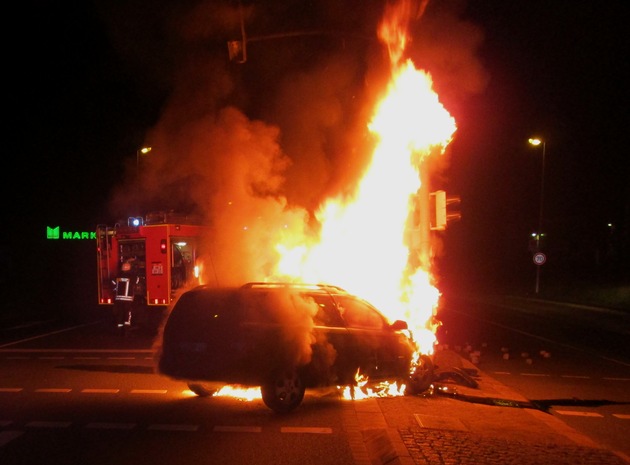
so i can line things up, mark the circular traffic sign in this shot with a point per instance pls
(540, 258)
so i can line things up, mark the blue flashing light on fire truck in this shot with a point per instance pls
(166, 247)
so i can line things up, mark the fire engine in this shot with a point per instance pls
(166, 247)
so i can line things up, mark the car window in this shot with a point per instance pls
(359, 314)
(327, 313)
(196, 309)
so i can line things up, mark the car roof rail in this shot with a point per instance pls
(320, 286)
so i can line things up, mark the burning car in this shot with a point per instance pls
(284, 338)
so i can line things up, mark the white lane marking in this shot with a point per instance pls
(575, 376)
(11, 389)
(86, 358)
(8, 436)
(121, 358)
(102, 425)
(622, 416)
(578, 414)
(501, 373)
(301, 429)
(53, 390)
(101, 391)
(617, 379)
(149, 391)
(49, 424)
(173, 427)
(237, 429)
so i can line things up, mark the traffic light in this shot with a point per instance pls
(441, 207)
(237, 51)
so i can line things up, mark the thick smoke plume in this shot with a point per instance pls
(255, 148)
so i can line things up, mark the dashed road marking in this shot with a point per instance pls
(101, 391)
(299, 429)
(102, 425)
(6, 436)
(622, 416)
(237, 429)
(11, 389)
(149, 391)
(53, 390)
(173, 427)
(49, 424)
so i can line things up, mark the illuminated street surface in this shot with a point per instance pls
(103, 407)
(54, 397)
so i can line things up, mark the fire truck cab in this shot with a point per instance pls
(166, 248)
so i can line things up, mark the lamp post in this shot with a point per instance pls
(139, 152)
(536, 142)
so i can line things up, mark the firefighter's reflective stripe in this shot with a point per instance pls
(124, 290)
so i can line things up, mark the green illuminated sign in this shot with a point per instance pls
(52, 233)
(56, 233)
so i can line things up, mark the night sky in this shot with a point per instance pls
(91, 82)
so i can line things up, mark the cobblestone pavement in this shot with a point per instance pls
(438, 429)
(437, 447)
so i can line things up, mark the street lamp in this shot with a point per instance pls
(139, 152)
(536, 142)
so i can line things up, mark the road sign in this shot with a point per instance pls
(540, 258)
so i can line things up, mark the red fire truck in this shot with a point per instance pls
(165, 247)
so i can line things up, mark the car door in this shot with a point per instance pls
(382, 352)
(332, 358)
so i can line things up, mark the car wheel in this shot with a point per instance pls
(422, 377)
(284, 391)
(202, 390)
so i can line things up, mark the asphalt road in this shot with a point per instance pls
(81, 394)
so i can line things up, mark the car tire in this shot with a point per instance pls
(422, 376)
(202, 390)
(284, 391)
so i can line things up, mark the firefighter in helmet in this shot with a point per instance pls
(127, 286)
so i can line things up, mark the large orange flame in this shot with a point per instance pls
(369, 243)
(376, 244)
(373, 244)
